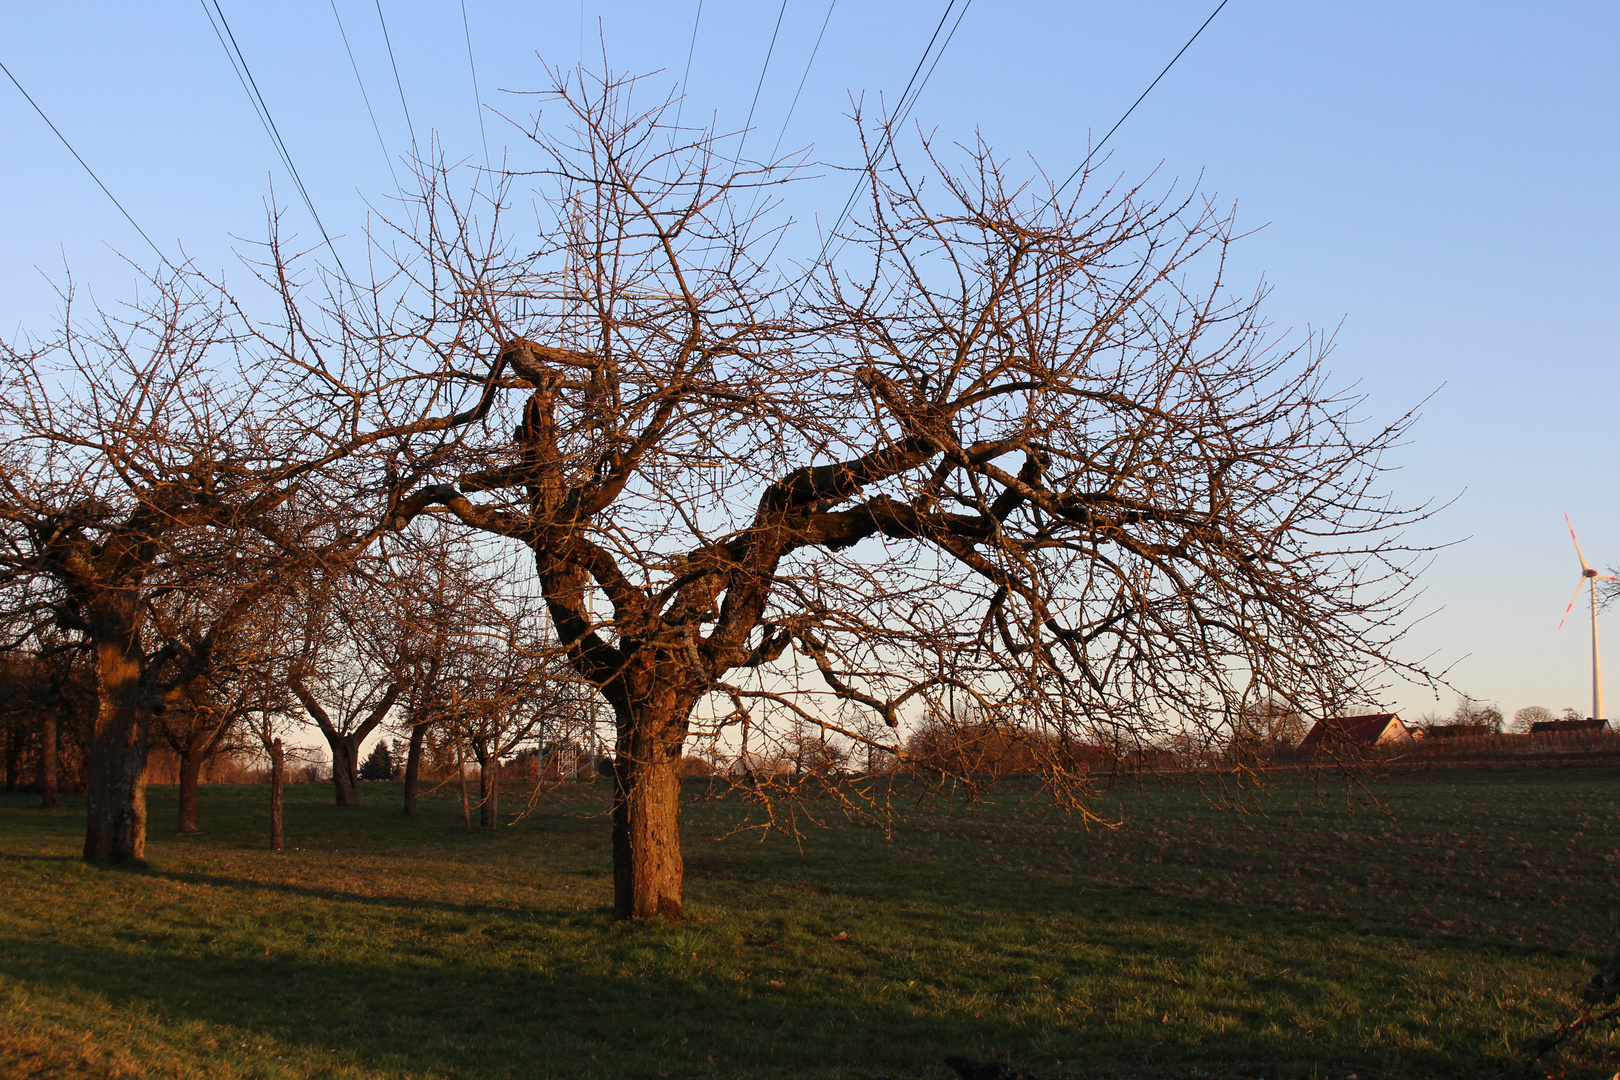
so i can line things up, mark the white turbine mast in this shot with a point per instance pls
(1589, 580)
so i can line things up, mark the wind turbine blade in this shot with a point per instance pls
(1585, 566)
(1572, 600)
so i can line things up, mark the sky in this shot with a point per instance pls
(1435, 183)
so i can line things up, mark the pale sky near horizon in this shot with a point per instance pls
(1437, 181)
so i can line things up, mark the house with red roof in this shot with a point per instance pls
(1374, 729)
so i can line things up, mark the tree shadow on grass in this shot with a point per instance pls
(343, 896)
(531, 1012)
(417, 985)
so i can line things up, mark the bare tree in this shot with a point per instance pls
(998, 447)
(175, 447)
(1474, 716)
(487, 674)
(431, 603)
(1264, 727)
(353, 665)
(1531, 714)
(266, 646)
(197, 724)
(505, 693)
(46, 697)
(267, 715)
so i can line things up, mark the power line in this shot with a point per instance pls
(769, 52)
(478, 98)
(935, 64)
(771, 160)
(807, 64)
(389, 158)
(81, 161)
(1138, 101)
(244, 75)
(888, 134)
(692, 46)
(907, 100)
(401, 86)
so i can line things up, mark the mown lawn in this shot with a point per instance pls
(1427, 933)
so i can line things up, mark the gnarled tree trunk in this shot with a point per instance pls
(413, 768)
(277, 761)
(648, 871)
(47, 759)
(345, 769)
(191, 763)
(489, 782)
(14, 738)
(115, 828)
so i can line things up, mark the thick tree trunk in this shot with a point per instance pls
(461, 774)
(47, 760)
(14, 736)
(489, 781)
(345, 748)
(191, 763)
(277, 760)
(413, 768)
(648, 871)
(345, 769)
(115, 816)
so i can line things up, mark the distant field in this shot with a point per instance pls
(1426, 933)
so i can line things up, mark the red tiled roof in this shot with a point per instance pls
(1365, 730)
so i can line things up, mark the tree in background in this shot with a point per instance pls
(1264, 727)
(197, 724)
(508, 686)
(1474, 716)
(436, 606)
(47, 705)
(266, 719)
(173, 448)
(1532, 714)
(379, 764)
(352, 666)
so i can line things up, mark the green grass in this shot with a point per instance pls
(1426, 935)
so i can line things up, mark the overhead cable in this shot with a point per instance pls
(399, 85)
(691, 46)
(478, 98)
(766, 66)
(244, 75)
(1081, 167)
(908, 98)
(366, 97)
(58, 133)
(807, 64)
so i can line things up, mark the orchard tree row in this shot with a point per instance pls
(989, 443)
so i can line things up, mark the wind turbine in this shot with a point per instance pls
(1589, 580)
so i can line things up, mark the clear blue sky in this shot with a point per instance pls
(1439, 178)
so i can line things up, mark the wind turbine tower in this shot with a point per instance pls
(1589, 580)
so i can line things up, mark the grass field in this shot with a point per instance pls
(1425, 933)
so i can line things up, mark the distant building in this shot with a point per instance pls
(1455, 731)
(1375, 729)
(1549, 726)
